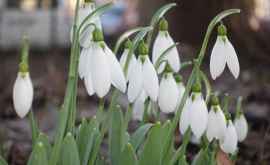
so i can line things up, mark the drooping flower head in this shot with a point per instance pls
(168, 91)
(229, 143)
(162, 43)
(241, 126)
(23, 88)
(223, 53)
(86, 32)
(104, 68)
(195, 113)
(216, 126)
(181, 88)
(144, 76)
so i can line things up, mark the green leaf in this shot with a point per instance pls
(157, 16)
(139, 135)
(2, 161)
(34, 127)
(116, 135)
(70, 154)
(45, 141)
(85, 139)
(125, 36)
(97, 142)
(152, 150)
(38, 155)
(128, 156)
(182, 160)
(202, 158)
(167, 154)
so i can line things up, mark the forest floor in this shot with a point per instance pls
(49, 75)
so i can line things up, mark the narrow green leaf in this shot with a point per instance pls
(116, 135)
(34, 127)
(152, 150)
(85, 139)
(139, 135)
(125, 36)
(96, 148)
(167, 154)
(2, 161)
(202, 158)
(38, 155)
(128, 156)
(70, 154)
(45, 141)
(182, 160)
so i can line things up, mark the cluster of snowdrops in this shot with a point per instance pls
(149, 74)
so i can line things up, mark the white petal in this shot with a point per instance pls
(132, 62)
(162, 43)
(198, 116)
(221, 124)
(138, 107)
(136, 82)
(241, 127)
(150, 79)
(173, 56)
(100, 71)
(83, 61)
(218, 58)
(211, 131)
(185, 117)
(117, 74)
(229, 145)
(89, 84)
(232, 59)
(168, 94)
(181, 91)
(23, 94)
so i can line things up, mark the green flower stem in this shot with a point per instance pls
(239, 107)
(201, 55)
(207, 86)
(34, 127)
(160, 59)
(185, 65)
(100, 110)
(225, 106)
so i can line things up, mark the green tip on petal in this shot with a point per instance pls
(98, 35)
(214, 100)
(178, 78)
(128, 44)
(143, 48)
(222, 30)
(196, 88)
(163, 25)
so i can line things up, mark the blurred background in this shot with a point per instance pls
(48, 23)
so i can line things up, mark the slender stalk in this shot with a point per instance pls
(100, 110)
(34, 128)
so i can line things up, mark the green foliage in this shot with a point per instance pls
(69, 151)
(38, 155)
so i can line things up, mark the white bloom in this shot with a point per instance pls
(181, 91)
(216, 126)
(162, 43)
(117, 74)
(23, 94)
(229, 144)
(138, 107)
(84, 61)
(168, 93)
(100, 71)
(144, 77)
(198, 115)
(185, 117)
(86, 35)
(132, 62)
(241, 127)
(223, 53)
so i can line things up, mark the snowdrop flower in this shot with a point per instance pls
(138, 107)
(168, 92)
(229, 144)
(195, 113)
(144, 77)
(162, 43)
(181, 88)
(104, 69)
(241, 127)
(23, 91)
(223, 53)
(216, 126)
(124, 57)
(86, 32)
